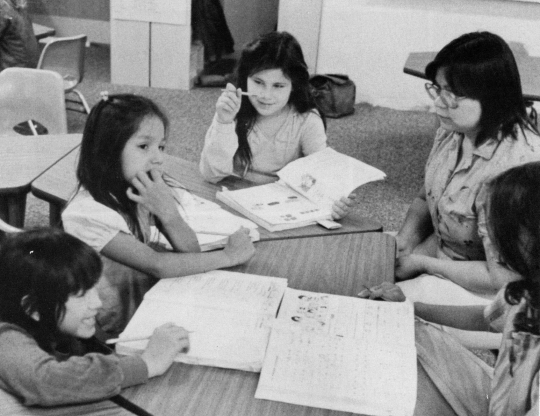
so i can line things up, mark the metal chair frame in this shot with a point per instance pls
(65, 55)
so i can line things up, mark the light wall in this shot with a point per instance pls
(370, 39)
(245, 18)
(72, 17)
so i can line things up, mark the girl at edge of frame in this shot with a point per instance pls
(121, 194)
(444, 252)
(255, 136)
(48, 308)
(467, 383)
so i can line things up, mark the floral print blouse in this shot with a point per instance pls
(454, 176)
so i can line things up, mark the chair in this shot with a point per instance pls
(6, 228)
(66, 56)
(31, 94)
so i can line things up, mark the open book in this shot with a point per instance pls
(342, 353)
(211, 223)
(229, 316)
(306, 190)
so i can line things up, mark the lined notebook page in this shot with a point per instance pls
(341, 353)
(229, 314)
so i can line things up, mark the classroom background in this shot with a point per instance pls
(392, 127)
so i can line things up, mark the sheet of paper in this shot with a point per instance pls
(223, 290)
(345, 316)
(211, 223)
(226, 338)
(230, 316)
(327, 175)
(277, 204)
(205, 216)
(343, 354)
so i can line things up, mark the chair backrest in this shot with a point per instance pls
(65, 56)
(7, 228)
(32, 94)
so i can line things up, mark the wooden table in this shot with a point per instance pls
(23, 159)
(59, 182)
(338, 264)
(529, 69)
(42, 31)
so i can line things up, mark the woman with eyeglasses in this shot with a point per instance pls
(444, 253)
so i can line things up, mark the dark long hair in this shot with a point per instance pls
(39, 270)
(111, 123)
(481, 66)
(274, 50)
(514, 227)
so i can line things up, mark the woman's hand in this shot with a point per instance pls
(343, 207)
(385, 291)
(153, 194)
(409, 266)
(239, 248)
(164, 345)
(403, 248)
(228, 104)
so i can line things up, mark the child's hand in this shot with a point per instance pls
(343, 207)
(164, 345)
(154, 195)
(228, 104)
(239, 248)
(385, 291)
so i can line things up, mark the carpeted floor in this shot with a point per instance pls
(397, 142)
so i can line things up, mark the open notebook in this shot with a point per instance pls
(305, 192)
(211, 223)
(229, 315)
(342, 353)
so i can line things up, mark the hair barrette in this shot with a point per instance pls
(104, 95)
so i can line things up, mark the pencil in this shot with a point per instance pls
(244, 93)
(129, 339)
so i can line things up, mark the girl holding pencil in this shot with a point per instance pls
(269, 119)
(48, 308)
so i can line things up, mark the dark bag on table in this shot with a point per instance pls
(334, 94)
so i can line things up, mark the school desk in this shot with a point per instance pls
(59, 182)
(23, 159)
(529, 69)
(338, 264)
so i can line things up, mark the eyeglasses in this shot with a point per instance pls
(447, 97)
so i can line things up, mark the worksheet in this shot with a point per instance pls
(229, 316)
(274, 206)
(342, 353)
(211, 223)
(325, 176)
